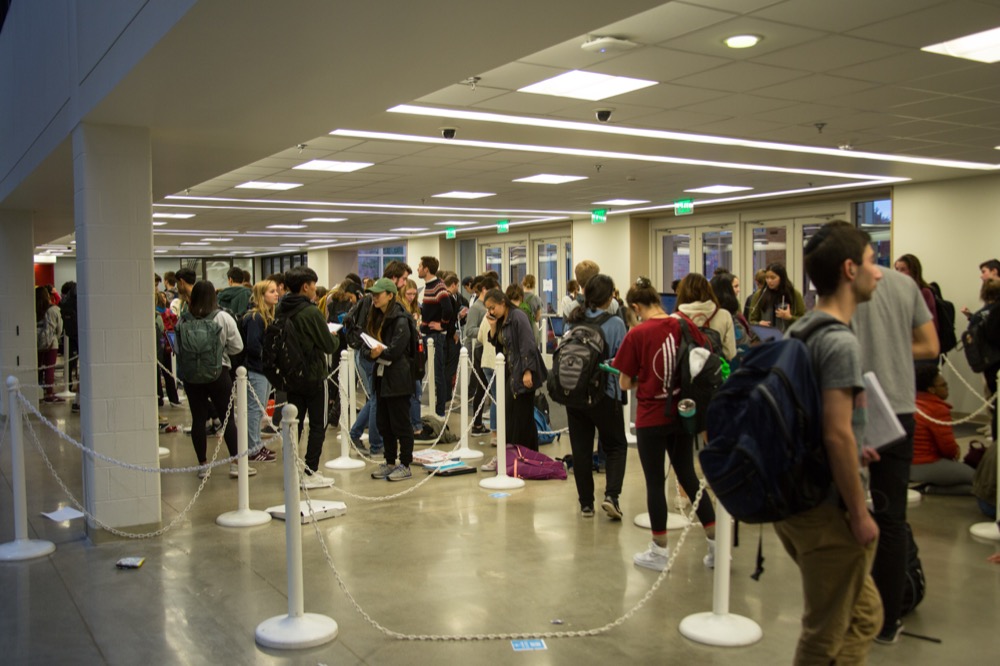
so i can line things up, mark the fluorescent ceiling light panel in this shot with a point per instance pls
(621, 202)
(320, 240)
(287, 226)
(159, 251)
(174, 216)
(332, 165)
(981, 47)
(457, 223)
(217, 240)
(587, 85)
(604, 128)
(549, 179)
(409, 229)
(258, 185)
(325, 219)
(292, 245)
(719, 189)
(159, 224)
(194, 243)
(458, 194)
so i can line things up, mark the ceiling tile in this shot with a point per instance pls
(460, 95)
(679, 120)
(523, 102)
(621, 112)
(903, 67)
(738, 105)
(517, 75)
(658, 64)
(975, 77)
(811, 88)
(776, 36)
(941, 106)
(916, 128)
(976, 136)
(988, 116)
(740, 127)
(878, 99)
(740, 6)
(931, 25)
(741, 77)
(827, 53)
(669, 96)
(992, 94)
(802, 113)
(838, 16)
(665, 22)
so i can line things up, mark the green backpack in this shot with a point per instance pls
(199, 348)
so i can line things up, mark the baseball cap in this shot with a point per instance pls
(382, 284)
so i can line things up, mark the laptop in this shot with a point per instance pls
(767, 333)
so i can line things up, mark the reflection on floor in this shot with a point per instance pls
(445, 559)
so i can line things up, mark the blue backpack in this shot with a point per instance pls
(765, 458)
(542, 425)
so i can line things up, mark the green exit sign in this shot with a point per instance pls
(683, 207)
(599, 216)
(503, 226)
(449, 233)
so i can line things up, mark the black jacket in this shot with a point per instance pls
(393, 374)
(517, 342)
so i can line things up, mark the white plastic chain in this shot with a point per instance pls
(986, 403)
(506, 636)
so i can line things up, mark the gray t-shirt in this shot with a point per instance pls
(884, 327)
(836, 362)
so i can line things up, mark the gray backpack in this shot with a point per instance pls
(199, 348)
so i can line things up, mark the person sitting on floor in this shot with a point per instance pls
(935, 451)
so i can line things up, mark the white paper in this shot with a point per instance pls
(65, 513)
(372, 342)
(547, 285)
(883, 427)
(334, 328)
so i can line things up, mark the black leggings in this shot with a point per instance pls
(654, 444)
(201, 397)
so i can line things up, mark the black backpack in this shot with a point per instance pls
(286, 365)
(945, 320)
(700, 388)
(576, 379)
(354, 320)
(980, 352)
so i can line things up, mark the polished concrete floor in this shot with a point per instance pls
(445, 559)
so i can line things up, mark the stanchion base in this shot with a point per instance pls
(65, 394)
(284, 632)
(721, 630)
(467, 454)
(344, 462)
(163, 451)
(501, 483)
(988, 531)
(243, 518)
(675, 521)
(913, 497)
(25, 549)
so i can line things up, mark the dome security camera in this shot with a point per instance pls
(448, 132)
(603, 115)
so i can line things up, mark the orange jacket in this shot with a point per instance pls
(932, 442)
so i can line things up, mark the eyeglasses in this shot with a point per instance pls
(643, 283)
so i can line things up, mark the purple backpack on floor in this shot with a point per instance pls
(523, 463)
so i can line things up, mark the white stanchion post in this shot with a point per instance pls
(21, 548)
(501, 481)
(720, 627)
(544, 346)
(297, 629)
(431, 388)
(243, 516)
(675, 521)
(989, 530)
(464, 452)
(66, 393)
(344, 460)
(352, 386)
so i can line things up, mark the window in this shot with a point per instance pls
(282, 262)
(373, 260)
(875, 217)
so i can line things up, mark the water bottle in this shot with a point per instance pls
(687, 409)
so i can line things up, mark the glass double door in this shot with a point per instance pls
(550, 260)
(692, 249)
(783, 242)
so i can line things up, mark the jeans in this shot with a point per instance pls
(415, 421)
(890, 477)
(312, 404)
(442, 383)
(254, 413)
(368, 416)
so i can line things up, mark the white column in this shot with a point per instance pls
(18, 352)
(112, 177)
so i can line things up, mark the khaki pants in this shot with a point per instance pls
(843, 610)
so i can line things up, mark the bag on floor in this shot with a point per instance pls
(431, 428)
(915, 586)
(765, 458)
(199, 348)
(523, 463)
(543, 425)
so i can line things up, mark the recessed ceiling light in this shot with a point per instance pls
(217, 240)
(457, 223)
(159, 224)
(293, 245)
(174, 216)
(257, 185)
(410, 229)
(458, 194)
(286, 226)
(325, 219)
(621, 202)
(718, 189)
(586, 85)
(332, 165)
(549, 179)
(742, 41)
(981, 47)
(194, 243)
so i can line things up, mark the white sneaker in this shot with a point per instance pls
(202, 473)
(654, 558)
(709, 559)
(315, 480)
(491, 466)
(234, 471)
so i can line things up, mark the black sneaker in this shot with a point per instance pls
(480, 430)
(75, 408)
(587, 511)
(610, 506)
(890, 635)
